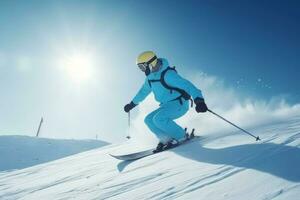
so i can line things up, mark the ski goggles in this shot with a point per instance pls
(143, 66)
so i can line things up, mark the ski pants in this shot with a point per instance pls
(161, 123)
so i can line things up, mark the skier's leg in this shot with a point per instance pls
(163, 119)
(163, 137)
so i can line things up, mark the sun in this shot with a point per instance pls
(78, 67)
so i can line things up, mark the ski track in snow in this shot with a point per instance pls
(229, 166)
(277, 194)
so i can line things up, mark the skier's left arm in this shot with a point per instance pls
(175, 80)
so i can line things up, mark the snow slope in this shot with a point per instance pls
(17, 152)
(225, 166)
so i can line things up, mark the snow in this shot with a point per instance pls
(19, 152)
(227, 165)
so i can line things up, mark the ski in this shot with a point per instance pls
(138, 155)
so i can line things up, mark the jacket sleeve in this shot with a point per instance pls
(175, 80)
(142, 93)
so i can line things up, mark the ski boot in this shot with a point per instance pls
(159, 148)
(171, 144)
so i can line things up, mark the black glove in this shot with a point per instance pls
(129, 106)
(200, 105)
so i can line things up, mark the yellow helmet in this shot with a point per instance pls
(147, 57)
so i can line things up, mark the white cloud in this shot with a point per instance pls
(246, 112)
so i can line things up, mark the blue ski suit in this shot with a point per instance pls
(160, 121)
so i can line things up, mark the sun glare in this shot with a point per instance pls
(79, 67)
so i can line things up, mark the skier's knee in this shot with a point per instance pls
(148, 120)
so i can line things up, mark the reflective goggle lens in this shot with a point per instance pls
(142, 66)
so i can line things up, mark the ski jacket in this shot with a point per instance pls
(161, 93)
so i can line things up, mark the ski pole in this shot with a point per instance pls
(128, 136)
(129, 119)
(256, 137)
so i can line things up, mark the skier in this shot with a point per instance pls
(172, 92)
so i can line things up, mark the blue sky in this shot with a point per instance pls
(252, 46)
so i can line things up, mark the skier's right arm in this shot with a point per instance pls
(142, 93)
(139, 97)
